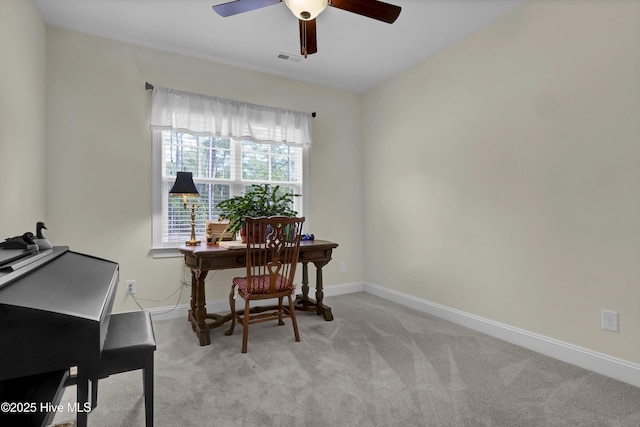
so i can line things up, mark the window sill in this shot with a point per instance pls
(165, 253)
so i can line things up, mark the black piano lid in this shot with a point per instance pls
(66, 286)
(9, 256)
(55, 314)
(18, 262)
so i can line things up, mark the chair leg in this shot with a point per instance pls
(292, 312)
(245, 325)
(280, 311)
(232, 306)
(82, 395)
(94, 393)
(147, 376)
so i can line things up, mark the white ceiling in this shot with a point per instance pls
(355, 53)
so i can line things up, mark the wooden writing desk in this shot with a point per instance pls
(202, 259)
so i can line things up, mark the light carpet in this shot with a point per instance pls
(377, 364)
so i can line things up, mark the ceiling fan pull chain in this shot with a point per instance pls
(304, 38)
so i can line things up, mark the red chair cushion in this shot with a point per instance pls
(260, 285)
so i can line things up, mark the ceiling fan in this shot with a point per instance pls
(307, 10)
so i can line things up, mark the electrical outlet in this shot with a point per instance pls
(342, 267)
(609, 320)
(130, 286)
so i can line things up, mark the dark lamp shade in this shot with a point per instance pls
(184, 184)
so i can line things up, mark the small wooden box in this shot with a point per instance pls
(216, 231)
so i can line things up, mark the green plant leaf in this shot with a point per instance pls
(259, 200)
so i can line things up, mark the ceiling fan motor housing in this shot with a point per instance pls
(306, 9)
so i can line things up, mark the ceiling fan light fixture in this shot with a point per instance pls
(306, 9)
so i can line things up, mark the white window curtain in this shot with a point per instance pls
(197, 114)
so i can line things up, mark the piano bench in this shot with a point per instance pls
(129, 346)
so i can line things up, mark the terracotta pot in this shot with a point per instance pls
(257, 234)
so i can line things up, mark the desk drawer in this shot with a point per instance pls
(315, 255)
(216, 263)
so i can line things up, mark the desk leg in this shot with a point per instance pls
(303, 302)
(198, 311)
(323, 310)
(305, 280)
(194, 298)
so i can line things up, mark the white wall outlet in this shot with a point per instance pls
(609, 320)
(130, 285)
(342, 267)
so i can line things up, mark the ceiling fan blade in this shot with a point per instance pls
(241, 6)
(308, 42)
(370, 8)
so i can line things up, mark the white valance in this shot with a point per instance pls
(208, 115)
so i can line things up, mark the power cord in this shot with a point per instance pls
(180, 288)
(183, 284)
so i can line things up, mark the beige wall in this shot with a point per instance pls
(99, 162)
(22, 112)
(518, 195)
(517, 201)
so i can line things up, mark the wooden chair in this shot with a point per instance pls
(130, 345)
(271, 256)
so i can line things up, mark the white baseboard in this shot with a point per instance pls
(174, 312)
(609, 366)
(345, 288)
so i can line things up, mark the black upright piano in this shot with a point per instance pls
(55, 307)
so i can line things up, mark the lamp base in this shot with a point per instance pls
(192, 240)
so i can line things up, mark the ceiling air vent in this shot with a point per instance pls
(289, 57)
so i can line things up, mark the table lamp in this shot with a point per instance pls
(184, 187)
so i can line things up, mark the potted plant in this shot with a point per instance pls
(259, 200)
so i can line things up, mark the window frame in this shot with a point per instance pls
(161, 250)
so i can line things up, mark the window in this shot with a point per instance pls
(222, 168)
(228, 146)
